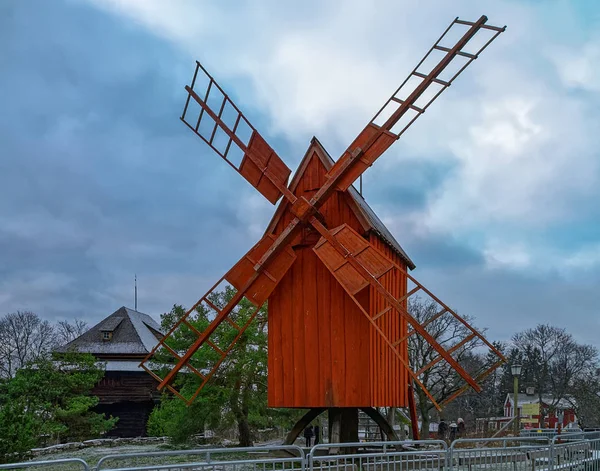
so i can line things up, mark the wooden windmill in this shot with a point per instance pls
(336, 281)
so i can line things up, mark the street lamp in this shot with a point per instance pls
(516, 372)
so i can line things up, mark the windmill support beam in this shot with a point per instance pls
(302, 423)
(412, 407)
(343, 424)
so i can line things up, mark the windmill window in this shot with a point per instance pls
(106, 335)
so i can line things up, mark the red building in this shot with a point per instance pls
(562, 413)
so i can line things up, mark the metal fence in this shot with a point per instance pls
(70, 464)
(270, 458)
(549, 432)
(507, 453)
(379, 456)
(573, 452)
(580, 451)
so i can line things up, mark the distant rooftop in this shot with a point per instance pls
(124, 332)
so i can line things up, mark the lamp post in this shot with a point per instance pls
(516, 372)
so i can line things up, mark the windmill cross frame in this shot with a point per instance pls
(353, 262)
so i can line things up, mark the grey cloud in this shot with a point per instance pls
(99, 177)
(505, 301)
(100, 180)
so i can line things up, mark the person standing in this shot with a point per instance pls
(442, 429)
(453, 430)
(308, 434)
(461, 428)
(317, 431)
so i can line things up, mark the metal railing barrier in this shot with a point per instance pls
(268, 458)
(575, 451)
(379, 456)
(67, 464)
(512, 453)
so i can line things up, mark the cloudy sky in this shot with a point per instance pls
(494, 192)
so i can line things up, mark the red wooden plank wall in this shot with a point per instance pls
(321, 349)
(389, 378)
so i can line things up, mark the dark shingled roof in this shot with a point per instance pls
(366, 212)
(134, 333)
(110, 324)
(379, 228)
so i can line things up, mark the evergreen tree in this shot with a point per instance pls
(49, 401)
(236, 395)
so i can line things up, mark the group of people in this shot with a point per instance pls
(311, 432)
(453, 431)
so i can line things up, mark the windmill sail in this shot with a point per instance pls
(248, 288)
(432, 75)
(356, 265)
(220, 123)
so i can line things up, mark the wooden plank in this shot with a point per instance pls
(373, 372)
(403, 330)
(275, 349)
(265, 160)
(324, 280)
(383, 353)
(287, 353)
(366, 255)
(338, 346)
(297, 309)
(395, 381)
(355, 329)
(263, 286)
(336, 306)
(347, 238)
(363, 349)
(266, 282)
(314, 182)
(380, 145)
(376, 360)
(311, 326)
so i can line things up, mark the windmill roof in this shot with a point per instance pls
(363, 211)
(133, 333)
(379, 227)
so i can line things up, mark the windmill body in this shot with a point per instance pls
(319, 354)
(336, 281)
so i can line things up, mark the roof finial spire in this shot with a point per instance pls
(135, 291)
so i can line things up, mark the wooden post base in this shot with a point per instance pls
(343, 425)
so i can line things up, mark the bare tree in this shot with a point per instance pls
(489, 401)
(585, 399)
(441, 380)
(67, 331)
(553, 362)
(24, 337)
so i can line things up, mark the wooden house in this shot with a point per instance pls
(323, 352)
(563, 412)
(120, 342)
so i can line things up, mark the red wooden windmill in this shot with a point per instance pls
(336, 280)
